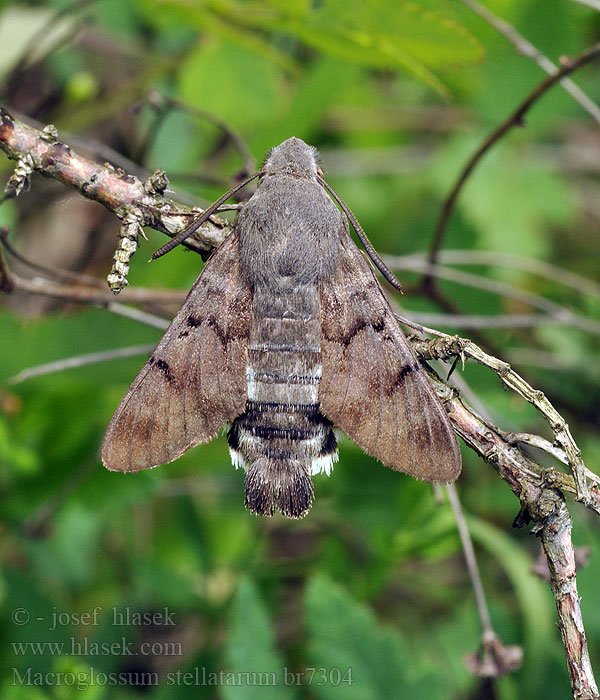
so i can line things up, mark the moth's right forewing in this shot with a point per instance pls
(195, 380)
(373, 386)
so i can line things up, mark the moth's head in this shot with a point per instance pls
(292, 157)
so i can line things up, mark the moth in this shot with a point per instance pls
(285, 335)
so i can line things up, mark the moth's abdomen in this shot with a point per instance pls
(281, 438)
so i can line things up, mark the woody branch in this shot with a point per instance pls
(541, 503)
(538, 489)
(135, 203)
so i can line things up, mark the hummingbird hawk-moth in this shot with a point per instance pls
(285, 335)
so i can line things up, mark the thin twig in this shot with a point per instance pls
(553, 361)
(542, 444)
(396, 118)
(86, 289)
(57, 273)
(92, 295)
(561, 313)
(515, 119)
(471, 561)
(445, 346)
(558, 275)
(118, 191)
(9, 282)
(494, 658)
(137, 315)
(161, 102)
(526, 48)
(471, 321)
(363, 162)
(559, 427)
(545, 445)
(38, 37)
(79, 361)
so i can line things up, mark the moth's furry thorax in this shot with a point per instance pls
(292, 157)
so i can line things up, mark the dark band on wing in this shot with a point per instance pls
(400, 377)
(163, 366)
(225, 336)
(379, 326)
(194, 321)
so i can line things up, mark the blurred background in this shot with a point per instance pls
(370, 590)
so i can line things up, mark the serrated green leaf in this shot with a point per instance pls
(417, 37)
(345, 639)
(251, 650)
(380, 34)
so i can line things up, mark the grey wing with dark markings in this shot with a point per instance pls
(373, 386)
(195, 380)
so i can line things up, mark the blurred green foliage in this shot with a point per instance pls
(368, 596)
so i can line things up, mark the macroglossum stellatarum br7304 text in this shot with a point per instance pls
(285, 334)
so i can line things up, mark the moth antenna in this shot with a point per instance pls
(368, 246)
(195, 225)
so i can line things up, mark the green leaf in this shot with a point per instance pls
(417, 37)
(238, 84)
(225, 20)
(70, 554)
(402, 35)
(346, 641)
(251, 650)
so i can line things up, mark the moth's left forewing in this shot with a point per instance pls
(373, 386)
(195, 380)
